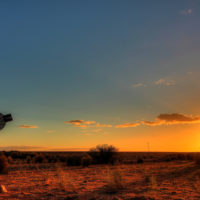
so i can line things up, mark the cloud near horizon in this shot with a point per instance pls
(127, 125)
(174, 118)
(138, 85)
(41, 148)
(28, 126)
(161, 119)
(186, 12)
(165, 82)
(87, 124)
(80, 123)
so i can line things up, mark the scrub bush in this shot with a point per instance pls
(104, 154)
(3, 164)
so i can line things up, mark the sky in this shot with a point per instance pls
(75, 74)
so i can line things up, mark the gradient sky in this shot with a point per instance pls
(127, 72)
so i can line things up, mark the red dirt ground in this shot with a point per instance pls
(152, 181)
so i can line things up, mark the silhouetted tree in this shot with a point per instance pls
(104, 153)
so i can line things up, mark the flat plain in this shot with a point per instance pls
(176, 180)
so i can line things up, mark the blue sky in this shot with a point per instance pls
(113, 62)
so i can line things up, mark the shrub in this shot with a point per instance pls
(10, 160)
(114, 182)
(3, 164)
(181, 156)
(53, 159)
(197, 158)
(140, 160)
(28, 159)
(74, 160)
(62, 159)
(39, 159)
(104, 154)
(86, 160)
(189, 157)
(66, 181)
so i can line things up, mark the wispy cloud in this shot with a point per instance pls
(28, 126)
(174, 118)
(103, 125)
(20, 148)
(164, 119)
(80, 123)
(165, 82)
(152, 123)
(161, 119)
(127, 125)
(186, 12)
(41, 148)
(87, 124)
(138, 85)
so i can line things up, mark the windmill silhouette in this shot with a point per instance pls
(4, 119)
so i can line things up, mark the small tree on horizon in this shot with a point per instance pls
(104, 153)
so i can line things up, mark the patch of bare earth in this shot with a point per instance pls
(148, 181)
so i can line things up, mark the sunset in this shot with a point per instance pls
(118, 65)
(79, 74)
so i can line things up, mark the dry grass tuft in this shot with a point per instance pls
(114, 181)
(153, 182)
(65, 181)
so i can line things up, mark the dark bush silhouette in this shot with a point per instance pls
(3, 164)
(74, 160)
(54, 158)
(197, 158)
(189, 157)
(28, 159)
(86, 160)
(39, 159)
(60, 159)
(10, 160)
(140, 160)
(103, 154)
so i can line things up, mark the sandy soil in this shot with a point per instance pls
(169, 180)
